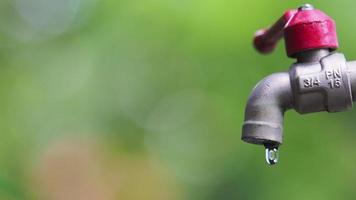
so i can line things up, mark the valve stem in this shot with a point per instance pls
(306, 7)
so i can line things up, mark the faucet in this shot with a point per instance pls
(320, 79)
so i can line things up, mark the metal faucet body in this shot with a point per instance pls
(320, 80)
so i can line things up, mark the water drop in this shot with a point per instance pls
(272, 155)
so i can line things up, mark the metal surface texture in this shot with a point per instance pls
(319, 80)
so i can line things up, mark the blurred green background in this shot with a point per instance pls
(144, 99)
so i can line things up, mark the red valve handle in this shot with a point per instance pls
(303, 29)
(265, 40)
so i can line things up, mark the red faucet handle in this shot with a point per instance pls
(303, 29)
(264, 44)
(266, 40)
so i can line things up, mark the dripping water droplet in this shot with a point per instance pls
(272, 155)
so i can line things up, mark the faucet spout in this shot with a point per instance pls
(265, 110)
